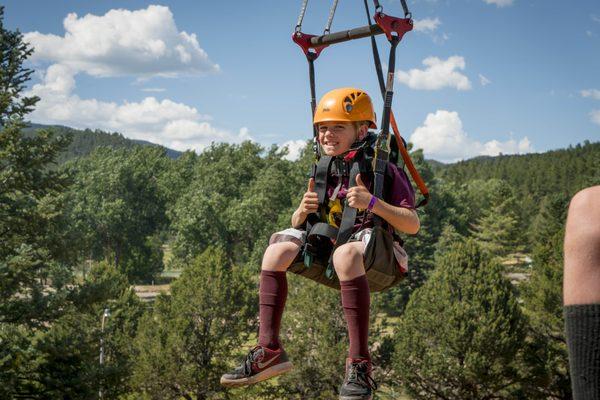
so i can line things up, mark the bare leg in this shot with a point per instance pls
(279, 256)
(581, 290)
(582, 249)
(348, 261)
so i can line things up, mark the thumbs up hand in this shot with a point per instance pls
(311, 185)
(310, 200)
(359, 196)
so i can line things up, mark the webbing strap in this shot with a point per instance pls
(414, 173)
(321, 173)
(348, 219)
(322, 229)
(313, 103)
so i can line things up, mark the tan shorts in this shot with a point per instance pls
(298, 237)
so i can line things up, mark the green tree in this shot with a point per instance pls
(33, 258)
(235, 200)
(446, 207)
(187, 341)
(13, 76)
(64, 358)
(498, 229)
(462, 331)
(118, 208)
(542, 298)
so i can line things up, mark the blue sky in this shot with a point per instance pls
(474, 77)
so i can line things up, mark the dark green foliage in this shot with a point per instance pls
(13, 76)
(462, 332)
(234, 200)
(542, 297)
(534, 176)
(499, 230)
(117, 206)
(446, 207)
(316, 340)
(185, 343)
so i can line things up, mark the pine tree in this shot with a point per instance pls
(542, 298)
(33, 258)
(498, 231)
(186, 342)
(462, 331)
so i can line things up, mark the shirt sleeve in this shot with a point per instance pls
(399, 192)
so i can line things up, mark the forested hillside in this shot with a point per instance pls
(535, 175)
(83, 142)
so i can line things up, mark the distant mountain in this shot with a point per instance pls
(85, 141)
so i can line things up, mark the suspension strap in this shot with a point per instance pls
(311, 53)
(379, 8)
(403, 151)
(301, 16)
(330, 19)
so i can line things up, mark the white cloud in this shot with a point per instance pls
(595, 18)
(483, 80)
(294, 148)
(172, 124)
(443, 138)
(437, 75)
(142, 43)
(426, 24)
(500, 3)
(595, 116)
(155, 90)
(593, 93)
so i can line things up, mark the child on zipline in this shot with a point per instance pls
(343, 118)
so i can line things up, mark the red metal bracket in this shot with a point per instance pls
(391, 25)
(303, 40)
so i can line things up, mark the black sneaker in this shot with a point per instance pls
(359, 383)
(260, 364)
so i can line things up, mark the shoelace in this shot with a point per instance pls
(359, 375)
(253, 356)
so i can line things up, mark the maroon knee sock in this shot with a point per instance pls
(356, 300)
(272, 295)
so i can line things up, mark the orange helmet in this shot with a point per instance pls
(345, 104)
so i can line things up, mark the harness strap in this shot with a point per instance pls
(414, 173)
(322, 170)
(348, 220)
(323, 229)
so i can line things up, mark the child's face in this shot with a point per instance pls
(336, 137)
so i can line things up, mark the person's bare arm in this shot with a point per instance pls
(402, 219)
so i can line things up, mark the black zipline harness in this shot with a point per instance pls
(323, 238)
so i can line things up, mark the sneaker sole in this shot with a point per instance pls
(261, 376)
